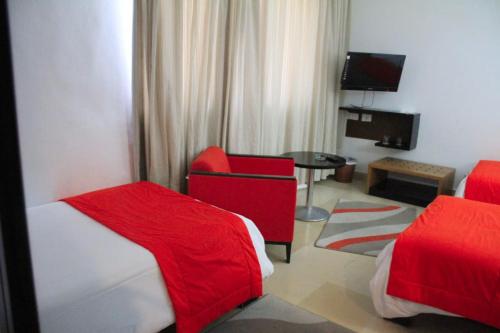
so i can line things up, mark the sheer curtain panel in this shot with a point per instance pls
(179, 48)
(252, 76)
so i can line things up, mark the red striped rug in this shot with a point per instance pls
(364, 227)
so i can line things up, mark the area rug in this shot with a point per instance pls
(271, 314)
(364, 227)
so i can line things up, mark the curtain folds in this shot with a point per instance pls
(179, 48)
(252, 76)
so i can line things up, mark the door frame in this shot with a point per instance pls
(18, 310)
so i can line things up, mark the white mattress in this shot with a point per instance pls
(90, 279)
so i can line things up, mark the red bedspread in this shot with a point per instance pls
(205, 254)
(483, 183)
(449, 258)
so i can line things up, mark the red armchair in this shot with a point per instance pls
(261, 188)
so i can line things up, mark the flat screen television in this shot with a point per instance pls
(372, 71)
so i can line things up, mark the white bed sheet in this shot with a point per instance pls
(460, 191)
(90, 279)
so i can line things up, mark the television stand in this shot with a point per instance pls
(380, 185)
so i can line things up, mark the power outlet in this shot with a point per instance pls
(353, 116)
(366, 117)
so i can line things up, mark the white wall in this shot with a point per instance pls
(451, 76)
(72, 66)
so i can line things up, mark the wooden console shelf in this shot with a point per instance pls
(379, 184)
(393, 124)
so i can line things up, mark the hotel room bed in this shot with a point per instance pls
(449, 261)
(482, 183)
(486, 179)
(90, 279)
(392, 307)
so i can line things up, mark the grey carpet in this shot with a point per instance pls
(364, 227)
(271, 314)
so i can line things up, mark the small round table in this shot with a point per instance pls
(312, 161)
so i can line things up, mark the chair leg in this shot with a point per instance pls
(288, 252)
(288, 249)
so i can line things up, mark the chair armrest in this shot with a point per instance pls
(261, 165)
(269, 201)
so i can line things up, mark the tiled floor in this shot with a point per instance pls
(335, 284)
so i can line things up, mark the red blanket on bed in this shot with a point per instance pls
(206, 255)
(449, 258)
(483, 183)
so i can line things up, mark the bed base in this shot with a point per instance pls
(169, 329)
(402, 321)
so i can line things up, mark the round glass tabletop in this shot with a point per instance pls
(315, 160)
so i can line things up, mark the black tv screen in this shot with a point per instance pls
(372, 71)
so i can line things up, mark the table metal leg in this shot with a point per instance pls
(308, 212)
(310, 188)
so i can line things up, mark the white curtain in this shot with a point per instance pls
(285, 59)
(179, 48)
(253, 76)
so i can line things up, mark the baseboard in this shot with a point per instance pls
(360, 175)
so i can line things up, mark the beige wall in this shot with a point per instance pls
(72, 66)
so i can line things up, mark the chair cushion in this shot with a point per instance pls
(213, 159)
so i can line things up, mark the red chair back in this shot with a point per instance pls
(213, 159)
